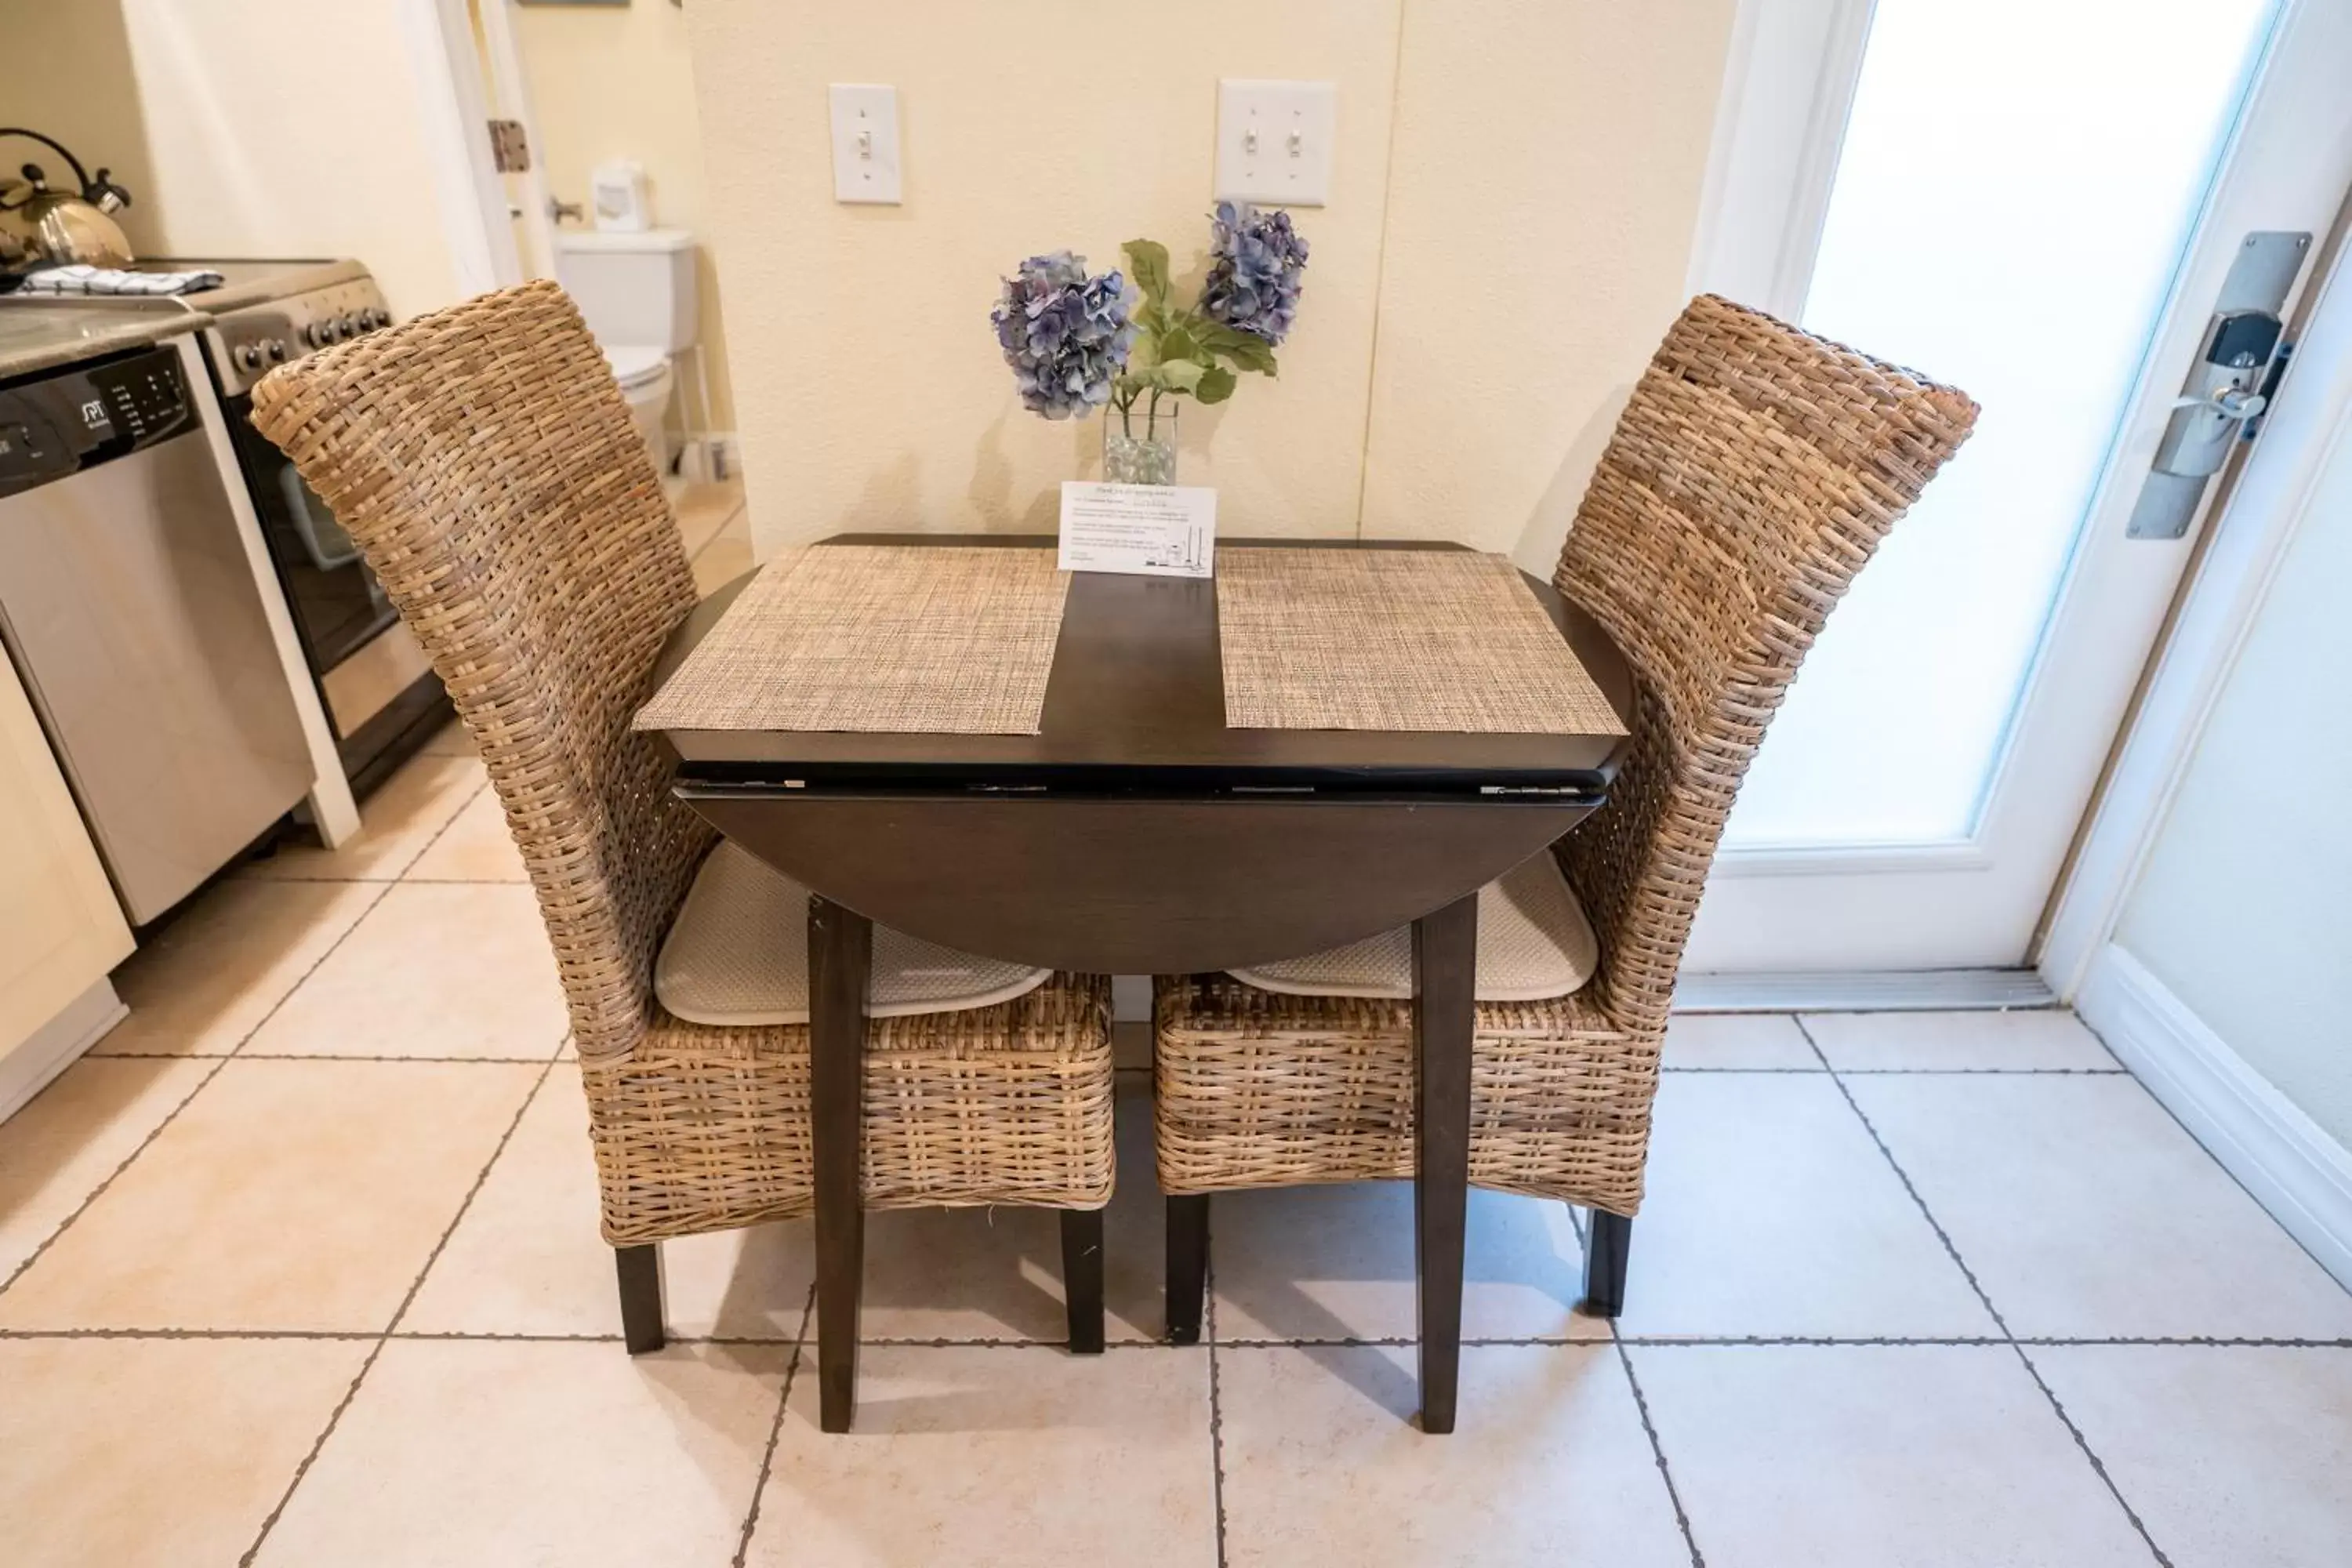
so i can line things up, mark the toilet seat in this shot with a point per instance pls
(636, 368)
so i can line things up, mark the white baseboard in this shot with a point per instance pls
(2293, 1169)
(53, 1048)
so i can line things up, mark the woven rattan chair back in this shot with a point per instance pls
(486, 464)
(1752, 474)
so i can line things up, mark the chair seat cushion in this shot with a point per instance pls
(736, 956)
(1534, 942)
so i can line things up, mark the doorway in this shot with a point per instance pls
(2039, 205)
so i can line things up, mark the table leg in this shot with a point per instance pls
(840, 958)
(1444, 1017)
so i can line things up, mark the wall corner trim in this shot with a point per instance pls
(58, 1045)
(2290, 1165)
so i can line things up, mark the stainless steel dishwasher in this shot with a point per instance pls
(129, 608)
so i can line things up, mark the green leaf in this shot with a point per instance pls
(1147, 259)
(1177, 343)
(1251, 354)
(1179, 375)
(1217, 384)
(1246, 350)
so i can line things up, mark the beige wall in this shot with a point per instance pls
(1468, 327)
(246, 128)
(618, 82)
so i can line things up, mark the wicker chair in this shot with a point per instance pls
(486, 464)
(1752, 474)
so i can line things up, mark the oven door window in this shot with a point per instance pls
(337, 603)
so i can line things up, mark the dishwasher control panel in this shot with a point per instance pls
(77, 418)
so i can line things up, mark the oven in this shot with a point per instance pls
(382, 698)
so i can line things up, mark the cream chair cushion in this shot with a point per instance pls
(1534, 942)
(736, 956)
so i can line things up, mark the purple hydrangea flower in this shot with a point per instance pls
(1254, 274)
(1065, 334)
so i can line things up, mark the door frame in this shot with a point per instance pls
(1789, 87)
(454, 109)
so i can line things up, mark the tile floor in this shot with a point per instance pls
(300, 1267)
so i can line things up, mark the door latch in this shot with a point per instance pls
(2228, 387)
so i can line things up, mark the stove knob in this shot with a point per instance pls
(382, 318)
(249, 356)
(317, 335)
(277, 351)
(353, 327)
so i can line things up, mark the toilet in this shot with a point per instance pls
(636, 292)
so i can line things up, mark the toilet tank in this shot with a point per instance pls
(636, 290)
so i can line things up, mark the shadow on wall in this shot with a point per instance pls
(73, 78)
(888, 501)
(1538, 550)
(990, 490)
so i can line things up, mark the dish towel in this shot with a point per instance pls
(84, 280)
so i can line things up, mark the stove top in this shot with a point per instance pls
(264, 313)
(245, 284)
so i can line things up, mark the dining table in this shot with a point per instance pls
(1137, 831)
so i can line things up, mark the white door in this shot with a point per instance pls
(2037, 201)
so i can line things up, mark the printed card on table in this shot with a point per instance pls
(1162, 530)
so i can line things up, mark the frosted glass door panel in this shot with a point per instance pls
(1965, 238)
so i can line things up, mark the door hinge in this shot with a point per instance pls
(2228, 386)
(509, 148)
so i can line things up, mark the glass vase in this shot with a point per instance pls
(1139, 444)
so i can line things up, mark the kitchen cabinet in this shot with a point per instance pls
(60, 928)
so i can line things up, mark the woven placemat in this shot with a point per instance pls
(895, 639)
(1395, 639)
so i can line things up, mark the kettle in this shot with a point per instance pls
(43, 227)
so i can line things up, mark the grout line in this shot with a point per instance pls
(2098, 1466)
(775, 1430)
(1916, 1072)
(367, 1364)
(2007, 1337)
(174, 1115)
(293, 881)
(2083, 1443)
(995, 1343)
(1658, 1449)
(1216, 1406)
(1641, 1342)
(322, 1056)
(1982, 1072)
(451, 821)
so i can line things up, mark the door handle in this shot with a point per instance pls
(2225, 387)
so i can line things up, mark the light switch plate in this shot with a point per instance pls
(1274, 142)
(865, 143)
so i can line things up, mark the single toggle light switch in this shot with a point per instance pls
(1274, 142)
(865, 143)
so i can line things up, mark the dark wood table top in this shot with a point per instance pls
(1136, 700)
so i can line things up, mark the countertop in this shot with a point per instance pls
(42, 335)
